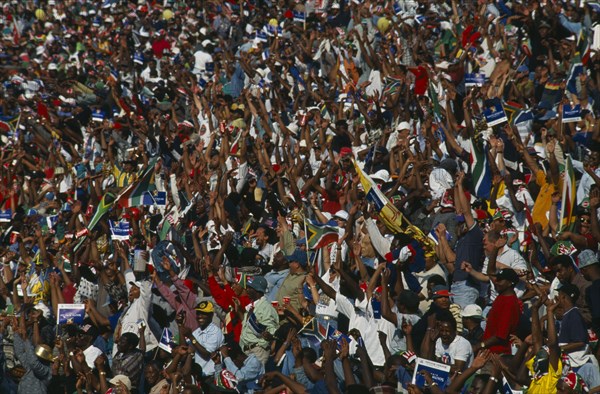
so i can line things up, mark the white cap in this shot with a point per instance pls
(472, 310)
(52, 66)
(381, 175)
(341, 214)
(121, 379)
(335, 6)
(403, 126)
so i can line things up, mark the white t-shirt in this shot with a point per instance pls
(365, 323)
(459, 350)
(511, 259)
(327, 306)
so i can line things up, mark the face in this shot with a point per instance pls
(123, 345)
(152, 374)
(442, 302)
(501, 285)
(488, 245)
(203, 319)
(477, 386)
(447, 333)
(261, 236)
(584, 224)
(134, 293)
(563, 274)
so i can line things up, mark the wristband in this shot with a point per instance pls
(493, 379)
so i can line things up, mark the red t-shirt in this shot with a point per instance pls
(502, 321)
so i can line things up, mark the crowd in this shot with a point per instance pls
(263, 196)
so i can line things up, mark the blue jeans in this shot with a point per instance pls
(463, 294)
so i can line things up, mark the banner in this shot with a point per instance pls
(70, 314)
(571, 113)
(119, 231)
(494, 113)
(5, 216)
(440, 373)
(474, 79)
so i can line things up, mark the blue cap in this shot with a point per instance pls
(523, 69)
(298, 256)
(50, 196)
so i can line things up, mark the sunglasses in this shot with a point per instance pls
(584, 220)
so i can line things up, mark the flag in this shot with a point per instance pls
(105, 204)
(568, 196)
(299, 17)
(392, 85)
(388, 213)
(9, 123)
(70, 314)
(481, 173)
(166, 340)
(583, 47)
(571, 113)
(320, 235)
(261, 36)
(138, 192)
(433, 96)
(574, 73)
(119, 230)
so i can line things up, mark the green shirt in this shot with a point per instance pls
(265, 315)
(291, 288)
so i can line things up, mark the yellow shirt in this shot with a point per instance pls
(547, 383)
(123, 178)
(543, 202)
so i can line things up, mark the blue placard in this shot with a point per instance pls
(5, 216)
(474, 79)
(494, 113)
(70, 314)
(299, 16)
(154, 198)
(119, 231)
(571, 113)
(440, 373)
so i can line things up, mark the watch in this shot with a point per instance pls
(194, 341)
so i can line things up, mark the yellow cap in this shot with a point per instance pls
(205, 307)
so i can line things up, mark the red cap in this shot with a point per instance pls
(345, 151)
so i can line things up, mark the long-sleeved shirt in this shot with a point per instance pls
(37, 374)
(187, 303)
(274, 281)
(224, 296)
(248, 372)
(137, 311)
(266, 315)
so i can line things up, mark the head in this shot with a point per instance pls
(257, 288)
(127, 342)
(505, 280)
(489, 241)
(478, 384)
(564, 268)
(261, 236)
(390, 367)
(134, 291)
(589, 265)
(472, 316)
(585, 222)
(441, 296)
(204, 313)
(568, 294)
(298, 261)
(152, 373)
(446, 326)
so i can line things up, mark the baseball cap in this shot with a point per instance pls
(440, 291)
(472, 310)
(298, 256)
(258, 283)
(205, 307)
(403, 126)
(507, 274)
(121, 379)
(571, 290)
(341, 214)
(136, 283)
(586, 258)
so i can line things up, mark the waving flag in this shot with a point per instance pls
(567, 205)
(140, 192)
(167, 341)
(388, 213)
(320, 235)
(480, 168)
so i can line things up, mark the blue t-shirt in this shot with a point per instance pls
(469, 248)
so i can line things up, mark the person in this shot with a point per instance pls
(245, 368)
(129, 359)
(503, 317)
(205, 339)
(472, 316)
(36, 362)
(289, 291)
(590, 268)
(260, 323)
(451, 348)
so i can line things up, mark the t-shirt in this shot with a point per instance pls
(546, 383)
(468, 248)
(544, 198)
(458, 350)
(592, 295)
(502, 321)
(572, 330)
